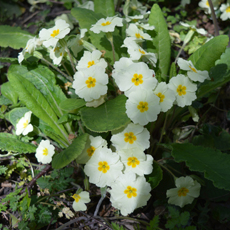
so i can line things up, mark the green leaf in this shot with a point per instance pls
(9, 142)
(36, 102)
(225, 58)
(156, 176)
(9, 60)
(71, 104)
(104, 7)
(219, 76)
(4, 100)
(63, 158)
(154, 223)
(161, 41)
(15, 114)
(107, 117)
(206, 56)
(8, 92)
(13, 37)
(213, 163)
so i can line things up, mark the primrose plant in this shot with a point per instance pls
(120, 94)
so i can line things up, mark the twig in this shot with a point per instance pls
(31, 16)
(214, 18)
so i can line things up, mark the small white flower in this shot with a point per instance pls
(133, 136)
(129, 193)
(193, 73)
(225, 8)
(57, 53)
(166, 96)
(135, 5)
(133, 31)
(94, 144)
(51, 36)
(80, 200)
(23, 126)
(142, 107)
(205, 4)
(186, 190)
(106, 24)
(91, 59)
(184, 89)
(97, 102)
(120, 66)
(134, 18)
(136, 161)
(191, 27)
(136, 76)
(103, 167)
(90, 83)
(145, 26)
(44, 152)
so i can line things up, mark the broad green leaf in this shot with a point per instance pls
(206, 56)
(15, 114)
(44, 80)
(104, 7)
(156, 176)
(85, 17)
(219, 76)
(8, 91)
(9, 142)
(63, 158)
(213, 163)
(225, 58)
(161, 41)
(4, 100)
(9, 60)
(107, 117)
(71, 104)
(13, 37)
(36, 102)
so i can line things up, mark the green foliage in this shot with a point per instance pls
(8, 35)
(161, 41)
(154, 223)
(63, 158)
(108, 7)
(117, 226)
(156, 176)
(224, 58)
(8, 92)
(109, 116)
(3, 169)
(213, 163)
(71, 104)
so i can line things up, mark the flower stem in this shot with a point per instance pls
(71, 59)
(214, 18)
(161, 165)
(103, 194)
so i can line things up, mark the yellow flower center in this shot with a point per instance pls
(90, 63)
(45, 151)
(181, 90)
(193, 69)
(143, 106)
(133, 161)
(137, 79)
(55, 33)
(76, 197)
(130, 137)
(141, 51)
(106, 24)
(103, 166)
(130, 192)
(183, 192)
(161, 96)
(90, 151)
(25, 124)
(56, 49)
(90, 82)
(138, 35)
(207, 3)
(228, 9)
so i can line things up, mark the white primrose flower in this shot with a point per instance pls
(134, 18)
(93, 144)
(80, 200)
(205, 4)
(133, 31)
(191, 27)
(142, 107)
(129, 192)
(91, 59)
(23, 126)
(31, 45)
(136, 76)
(136, 52)
(57, 53)
(120, 66)
(166, 96)
(225, 8)
(133, 136)
(136, 161)
(103, 167)
(193, 73)
(135, 5)
(106, 24)
(186, 190)
(184, 89)
(44, 152)
(97, 102)
(51, 36)
(90, 83)
(145, 26)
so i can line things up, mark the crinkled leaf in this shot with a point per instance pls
(63, 158)
(8, 92)
(107, 117)
(156, 176)
(104, 7)
(225, 58)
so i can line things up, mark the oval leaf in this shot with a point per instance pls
(71, 104)
(107, 9)
(8, 92)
